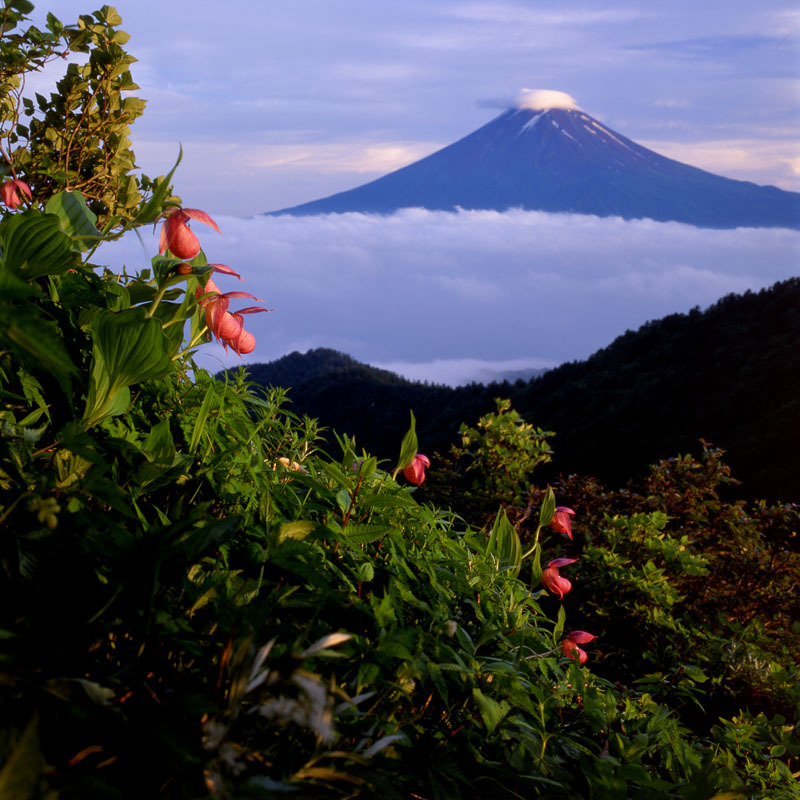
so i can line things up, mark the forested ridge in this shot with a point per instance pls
(728, 374)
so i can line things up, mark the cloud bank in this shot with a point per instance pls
(420, 288)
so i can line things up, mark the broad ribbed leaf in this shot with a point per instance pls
(34, 245)
(77, 219)
(129, 347)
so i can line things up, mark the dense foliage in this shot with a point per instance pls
(727, 374)
(199, 601)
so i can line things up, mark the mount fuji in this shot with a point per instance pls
(546, 154)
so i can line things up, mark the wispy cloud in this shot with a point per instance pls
(459, 371)
(522, 13)
(671, 102)
(728, 47)
(352, 156)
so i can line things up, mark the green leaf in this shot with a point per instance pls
(152, 208)
(77, 219)
(536, 567)
(364, 534)
(34, 245)
(409, 446)
(112, 17)
(505, 544)
(694, 673)
(548, 508)
(13, 287)
(560, 622)
(20, 774)
(128, 347)
(491, 711)
(38, 337)
(159, 447)
(401, 499)
(729, 796)
(366, 571)
(383, 610)
(295, 530)
(202, 416)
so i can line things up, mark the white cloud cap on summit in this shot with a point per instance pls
(543, 99)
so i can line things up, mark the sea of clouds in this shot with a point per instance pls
(453, 297)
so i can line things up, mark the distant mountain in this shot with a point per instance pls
(552, 156)
(729, 374)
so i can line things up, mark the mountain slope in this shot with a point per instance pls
(728, 374)
(563, 160)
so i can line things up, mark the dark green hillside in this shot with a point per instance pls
(729, 374)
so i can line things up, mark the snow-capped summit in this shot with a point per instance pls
(545, 153)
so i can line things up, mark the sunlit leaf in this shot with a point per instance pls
(128, 347)
(560, 622)
(409, 446)
(331, 640)
(295, 530)
(77, 220)
(505, 544)
(548, 508)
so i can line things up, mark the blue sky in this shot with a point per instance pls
(284, 102)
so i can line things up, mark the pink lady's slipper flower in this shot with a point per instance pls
(562, 522)
(552, 581)
(242, 341)
(226, 326)
(10, 192)
(177, 237)
(224, 268)
(415, 471)
(570, 644)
